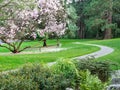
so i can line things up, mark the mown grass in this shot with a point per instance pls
(12, 61)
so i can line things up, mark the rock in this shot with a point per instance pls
(114, 87)
(115, 81)
(115, 74)
(68, 89)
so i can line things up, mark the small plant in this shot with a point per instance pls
(90, 82)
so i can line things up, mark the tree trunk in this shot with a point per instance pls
(108, 34)
(97, 35)
(81, 31)
(15, 51)
(44, 43)
(58, 43)
(108, 31)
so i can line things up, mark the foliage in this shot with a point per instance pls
(79, 7)
(65, 67)
(102, 14)
(68, 70)
(95, 17)
(91, 82)
(71, 21)
(100, 68)
(34, 77)
(57, 77)
(10, 82)
(30, 77)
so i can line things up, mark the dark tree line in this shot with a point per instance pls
(98, 18)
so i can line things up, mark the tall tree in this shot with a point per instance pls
(116, 17)
(99, 15)
(71, 21)
(79, 7)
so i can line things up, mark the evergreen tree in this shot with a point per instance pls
(99, 15)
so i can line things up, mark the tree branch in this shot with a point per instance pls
(6, 47)
(7, 42)
(20, 44)
(5, 4)
(24, 48)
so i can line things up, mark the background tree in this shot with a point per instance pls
(71, 21)
(99, 15)
(79, 5)
(97, 19)
(116, 17)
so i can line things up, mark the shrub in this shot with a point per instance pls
(30, 77)
(68, 71)
(101, 68)
(60, 76)
(90, 82)
(39, 77)
(10, 82)
(40, 74)
(65, 67)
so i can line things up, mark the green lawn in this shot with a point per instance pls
(8, 62)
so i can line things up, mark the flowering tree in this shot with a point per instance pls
(53, 16)
(20, 19)
(17, 22)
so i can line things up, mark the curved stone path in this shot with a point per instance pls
(104, 50)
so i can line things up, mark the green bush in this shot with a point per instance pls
(100, 68)
(69, 72)
(60, 76)
(65, 67)
(10, 82)
(90, 82)
(31, 76)
(38, 77)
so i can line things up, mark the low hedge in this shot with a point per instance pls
(60, 76)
